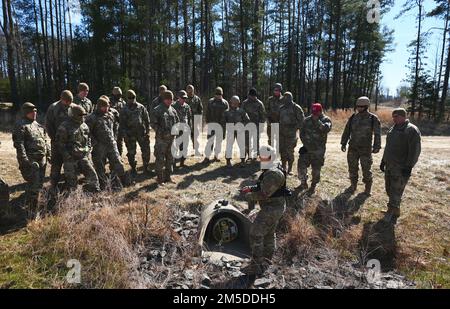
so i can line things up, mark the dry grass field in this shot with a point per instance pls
(108, 232)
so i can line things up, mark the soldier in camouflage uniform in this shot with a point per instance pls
(116, 117)
(102, 125)
(163, 119)
(235, 115)
(270, 192)
(74, 142)
(359, 130)
(135, 128)
(217, 106)
(185, 115)
(196, 105)
(257, 113)
(118, 104)
(314, 138)
(57, 113)
(291, 120)
(159, 100)
(33, 151)
(273, 109)
(82, 100)
(403, 147)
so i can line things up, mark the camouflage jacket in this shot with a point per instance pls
(255, 110)
(270, 182)
(102, 128)
(134, 120)
(403, 146)
(359, 130)
(116, 124)
(57, 113)
(236, 115)
(85, 103)
(215, 111)
(184, 112)
(73, 140)
(291, 118)
(273, 109)
(314, 134)
(30, 141)
(163, 119)
(117, 104)
(196, 105)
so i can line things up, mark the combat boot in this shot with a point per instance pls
(133, 169)
(125, 180)
(229, 163)
(147, 169)
(283, 164)
(160, 180)
(391, 216)
(168, 178)
(182, 162)
(312, 189)
(368, 188)
(303, 186)
(353, 186)
(242, 164)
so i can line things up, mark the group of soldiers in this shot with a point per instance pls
(84, 137)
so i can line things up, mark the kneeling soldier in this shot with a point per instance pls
(33, 151)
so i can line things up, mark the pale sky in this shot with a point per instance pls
(394, 68)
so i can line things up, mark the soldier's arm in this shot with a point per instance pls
(200, 106)
(154, 122)
(262, 113)
(300, 116)
(376, 133)
(325, 125)
(49, 124)
(414, 148)
(19, 144)
(122, 123)
(271, 182)
(146, 117)
(104, 134)
(346, 134)
(61, 142)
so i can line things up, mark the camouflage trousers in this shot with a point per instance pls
(119, 141)
(163, 156)
(100, 154)
(71, 173)
(214, 146)
(34, 175)
(56, 164)
(287, 148)
(4, 193)
(314, 160)
(144, 144)
(395, 184)
(262, 232)
(355, 157)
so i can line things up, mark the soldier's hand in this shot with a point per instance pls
(406, 172)
(376, 150)
(246, 190)
(383, 166)
(344, 148)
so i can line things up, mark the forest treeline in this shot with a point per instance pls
(321, 50)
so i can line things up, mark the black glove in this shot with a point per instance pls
(382, 166)
(303, 150)
(406, 172)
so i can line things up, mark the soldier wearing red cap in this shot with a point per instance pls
(314, 138)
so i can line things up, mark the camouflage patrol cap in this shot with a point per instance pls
(77, 111)
(131, 94)
(190, 88)
(363, 101)
(105, 97)
(288, 96)
(28, 107)
(83, 87)
(182, 94)
(399, 111)
(117, 91)
(278, 86)
(66, 95)
(219, 91)
(162, 89)
(168, 95)
(102, 102)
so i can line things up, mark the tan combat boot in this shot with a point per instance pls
(391, 215)
(353, 186)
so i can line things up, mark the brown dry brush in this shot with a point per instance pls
(104, 237)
